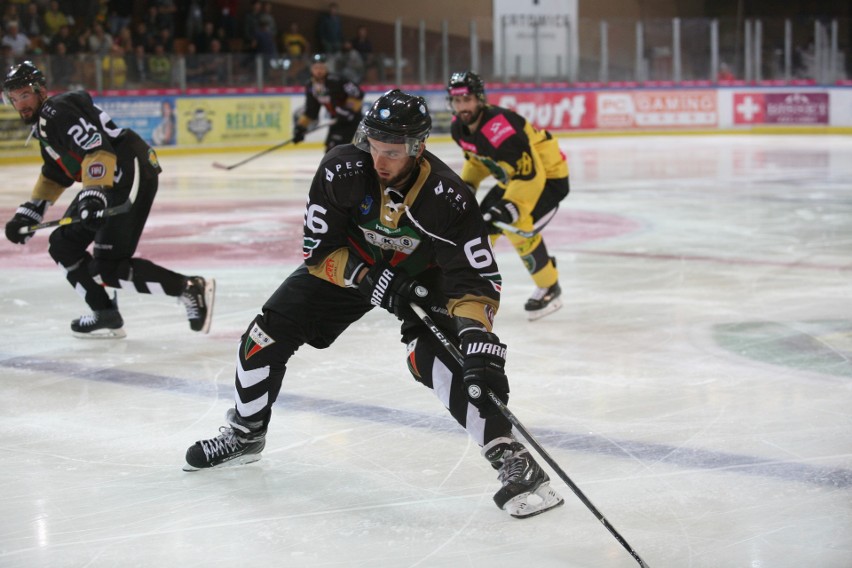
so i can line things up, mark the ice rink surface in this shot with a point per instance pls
(696, 386)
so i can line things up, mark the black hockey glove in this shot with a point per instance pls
(504, 211)
(91, 203)
(299, 134)
(483, 367)
(393, 290)
(29, 213)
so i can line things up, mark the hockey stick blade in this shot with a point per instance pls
(221, 166)
(504, 410)
(512, 229)
(108, 212)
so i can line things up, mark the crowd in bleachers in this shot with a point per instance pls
(169, 43)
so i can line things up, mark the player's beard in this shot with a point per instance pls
(31, 119)
(402, 177)
(470, 117)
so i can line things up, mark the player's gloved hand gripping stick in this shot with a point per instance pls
(103, 213)
(457, 355)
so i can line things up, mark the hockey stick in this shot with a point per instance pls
(512, 229)
(108, 212)
(456, 354)
(222, 166)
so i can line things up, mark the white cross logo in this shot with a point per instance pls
(748, 108)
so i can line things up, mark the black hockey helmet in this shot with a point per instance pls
(466, 83)
(23, 75)
(396, 118)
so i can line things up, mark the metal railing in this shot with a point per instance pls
(677, 51)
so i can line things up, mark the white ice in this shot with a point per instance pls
(697, 385)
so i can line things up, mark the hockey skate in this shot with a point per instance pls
(526, 487)
(238, 443)
(544, 301)
(100, 324)
(197, 298)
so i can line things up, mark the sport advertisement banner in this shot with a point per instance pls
(550, 110)
(781, 108)
(657, 109)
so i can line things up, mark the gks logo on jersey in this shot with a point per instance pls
(257, 339)
(405, 240)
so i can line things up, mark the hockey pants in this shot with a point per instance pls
(532, 250)
(112, 263)
(308, 310)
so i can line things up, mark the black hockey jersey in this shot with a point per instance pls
(435, 222)
(80, 142)
(334, 94)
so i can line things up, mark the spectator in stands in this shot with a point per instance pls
(330, 30)
(99, 40)
(294, 44)
(137, 66)
(166, 11)
(268, 18)
(725, 73)
(204, 37)
(144, 36)
(16, 40)
(264, 44)
(63, 66)
(194, 18)
(160, 66)
(251, 25)
(114, 68)
(32, 24)
(227, 20)
(119, 16)
(54, 19)
(166, 38)
(350, 64)
(362, 44)
(214, 65)
(125, 39)
(64, 37)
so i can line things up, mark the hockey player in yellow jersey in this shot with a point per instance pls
(532, 178)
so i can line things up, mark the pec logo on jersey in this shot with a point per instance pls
(96, 170)
(497, 130)
(329, 175)
(257, 339)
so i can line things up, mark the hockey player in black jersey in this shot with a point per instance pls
(341, 98)
(531, 174)
(385, 219)
(80, 143)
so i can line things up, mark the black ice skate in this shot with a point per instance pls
(238, 443)
(544, 301)
(100, 324)
(197, 298)
(526, 487)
